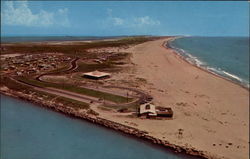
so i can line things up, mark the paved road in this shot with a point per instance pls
(73, 66)
(80, 97)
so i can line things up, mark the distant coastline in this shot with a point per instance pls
(16, 39)
(52, 38)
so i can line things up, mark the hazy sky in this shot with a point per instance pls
(125, 18)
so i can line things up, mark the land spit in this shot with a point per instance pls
(211, 113)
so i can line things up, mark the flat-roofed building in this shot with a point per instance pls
(165, 112)
(96, 75)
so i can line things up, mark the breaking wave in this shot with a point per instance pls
(197, 62)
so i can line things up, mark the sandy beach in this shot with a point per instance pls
(212, 112)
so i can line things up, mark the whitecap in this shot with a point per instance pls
(233, 76)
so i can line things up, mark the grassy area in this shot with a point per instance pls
(72, 103)
(46, 96)
(83, 67)
(8, 82)
(33, 82)
(80, 90)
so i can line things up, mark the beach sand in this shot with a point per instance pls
(212, 112)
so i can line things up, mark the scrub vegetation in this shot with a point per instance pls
(72, 49)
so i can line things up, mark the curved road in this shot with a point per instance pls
(80, 97)
(73, 66)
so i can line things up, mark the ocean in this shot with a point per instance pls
(32, 132)
(224, 56)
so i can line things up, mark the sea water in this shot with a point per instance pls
(32, 132)
(225, 56)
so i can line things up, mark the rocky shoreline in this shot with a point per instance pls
(106, 123)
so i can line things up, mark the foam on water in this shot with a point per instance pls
(233, 76)
(196, 60)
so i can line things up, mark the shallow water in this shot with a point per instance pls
(32, 132)
(225, 56)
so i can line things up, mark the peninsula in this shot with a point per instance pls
(106, 82)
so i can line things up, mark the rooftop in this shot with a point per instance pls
(148, 108)
(97, 74)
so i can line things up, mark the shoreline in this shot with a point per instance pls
(167, 46)
(191, 103)
(203, 102)
(132, 132)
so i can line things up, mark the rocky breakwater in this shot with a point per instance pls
(104, 122)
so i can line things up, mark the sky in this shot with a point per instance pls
(112, 18)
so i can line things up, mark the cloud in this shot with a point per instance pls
(114, 20)
(143, 21)
(18, 13)
(146, 20)
(118, 21)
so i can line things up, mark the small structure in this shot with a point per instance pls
(96, 75)
(164, 112)
(147, 110)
